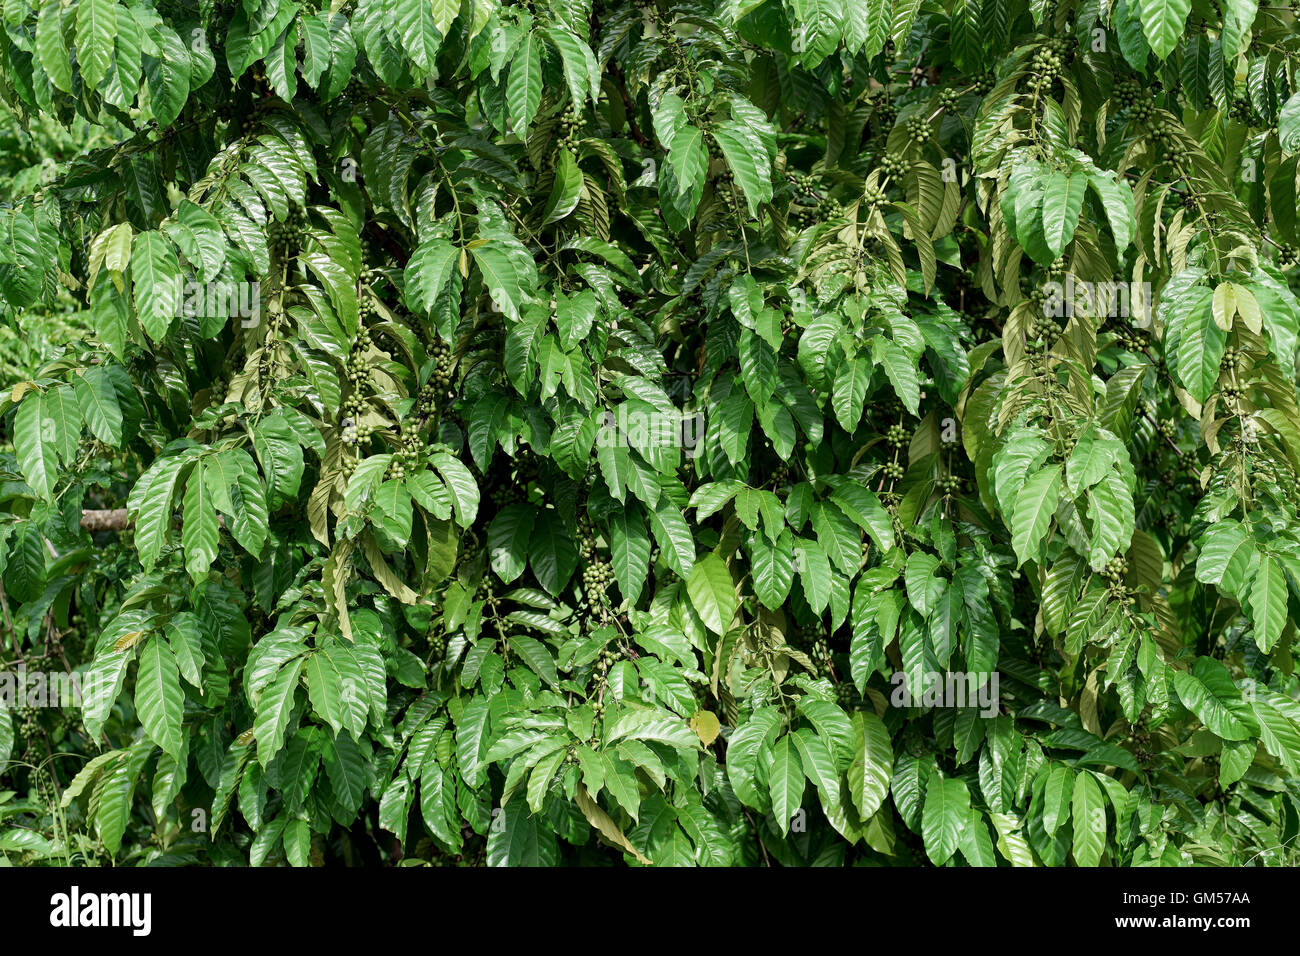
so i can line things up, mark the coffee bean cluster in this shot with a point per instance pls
(1129, 92)
(844, 695)
(1166, 134)
(897, 436)
(444, 367)
(1046, 66)
(886, 112)
(1243, 112)
(893, 166)
(805, 184)
(873, 197)
(948, 99)
(1040, 329)
(596, 577)
(948, 484)
(357, 366)
(830, 208)
(918, 130)
(586, 538)
(407, 455)
(892, 470)
(1287, 255)
(1142, 747)
(985, 83)
(1131, 339)
(506, 493)
(571, 126)
(290, 233)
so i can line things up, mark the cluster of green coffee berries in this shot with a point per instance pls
(1166, 133)
(820, 653)
(586, 538)
(1142, 747)
(1115, 568)
(844, 695)
(426, 401)
(781, 475)
(897, 436)
(596, 576)
(1287, 255)
(918, 130)
(830, 208)
(1040, 329)
(505, 493)
(892, 470)
(407, 456)
(607, 659)
(893, 166)
(1131, 338)
(985, 82)
(1232, 394)
(1129, 92)
(571, 125)
(948, 484)
(444, 367)
(1243, 112)
(804, 183)
(1229, 360)
(948, 99)
(290, 233)
(252, 118)
(1056, 270)
(1046, 67)
(886, 112)
(26, 721)
(1167, 428)
(357, 367)
(874, 197)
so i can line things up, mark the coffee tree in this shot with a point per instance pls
(569, 432)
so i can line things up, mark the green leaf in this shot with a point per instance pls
(567, 190)
(524, 87)
(901, 372)
(947, 809)
(96, 27)
(200, 532)
(873, 761)
(1268, 600)
(1162, 22)
(1208, 692)
(1035, 504)
(629, 546)
(159, 700)
(1062, 204)
(712, 593)
(99, 405)
(1088, 813)
(785, 782)
(35, 445)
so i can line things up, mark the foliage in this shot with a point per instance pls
(627, 395)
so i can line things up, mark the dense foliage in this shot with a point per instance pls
(589, 432)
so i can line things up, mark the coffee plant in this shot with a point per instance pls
(582, 431)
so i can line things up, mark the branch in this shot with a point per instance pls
(105, 519)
